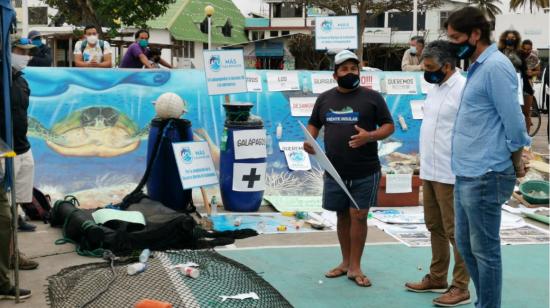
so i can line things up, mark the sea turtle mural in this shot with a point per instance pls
(93, 131)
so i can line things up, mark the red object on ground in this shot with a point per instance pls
(406, 199)
(151, 303)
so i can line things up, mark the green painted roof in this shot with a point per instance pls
(183, 20)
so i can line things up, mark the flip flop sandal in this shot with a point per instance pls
(363, 277)
(340, 273)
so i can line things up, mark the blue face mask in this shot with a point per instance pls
(37, 42)
(143, 43)
(435, 77)
(464, 50)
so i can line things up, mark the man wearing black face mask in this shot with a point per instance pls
(440, 109)
(355, 118)
(487, 142)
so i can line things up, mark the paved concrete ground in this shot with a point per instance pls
(40, 246)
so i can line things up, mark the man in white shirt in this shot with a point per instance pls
(440, 110)
(92, 52)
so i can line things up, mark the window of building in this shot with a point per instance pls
(178, 48)
(273, 33)
(285, 33)
(188, 49)
(226, 29)
(205, 46)
(403, 21)
(18, 3)
(443, 16)
(287, 10)
(38, 15)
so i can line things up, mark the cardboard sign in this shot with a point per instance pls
(370, 81)
(254, 82)
(291, 146)
(398, 183)
(195, 164)
(401, 85)
(282, 81)
(336, 32)
(298, 160)
(225, 71)
(302, 106)
(249, 177)
(322, 82)
(250, 143)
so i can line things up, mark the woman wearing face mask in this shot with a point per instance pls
(509, 44)
(139, 53)
(92, 52)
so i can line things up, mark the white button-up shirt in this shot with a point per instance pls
(440, 110)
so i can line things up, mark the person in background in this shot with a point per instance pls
(138, 54)
(487, 145)
(440, 109)
(92, 52)
(411, 59)
(155, 57)
(509, 44)
(23, 165)
(354, 119)
(532, 59)
(42, 54)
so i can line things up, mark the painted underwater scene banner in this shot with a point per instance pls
(88, 127)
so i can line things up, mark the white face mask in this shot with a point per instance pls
(413, 50)
(92, 39)
(19, 62)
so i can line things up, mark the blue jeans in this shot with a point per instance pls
(478, 204)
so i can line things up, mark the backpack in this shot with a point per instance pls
(39, 208)
(85, 43)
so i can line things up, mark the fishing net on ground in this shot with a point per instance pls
(95, 285)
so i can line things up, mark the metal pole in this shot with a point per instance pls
(415, 16)
(209, 33)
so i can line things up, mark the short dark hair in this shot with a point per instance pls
(527, 42)
(418, 39)
(469, 18)
(442, 52)
(140, 31)
(88, 27)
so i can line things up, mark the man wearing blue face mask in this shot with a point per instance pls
(411, 61)
(354, 118)
(487, 142)
(440, 109)
(42, 54)
(138, 54)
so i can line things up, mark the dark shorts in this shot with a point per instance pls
(364, 191)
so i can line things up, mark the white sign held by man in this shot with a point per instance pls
(225, 72)
(336, 32)
(195, 164)
(250, 143)
(249, 177)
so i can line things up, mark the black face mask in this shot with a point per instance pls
(464, 50)
(510, 42)
(435, 77)
(350, 81)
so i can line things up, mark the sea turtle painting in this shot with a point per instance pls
(93, 131)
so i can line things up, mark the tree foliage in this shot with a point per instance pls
(489, 7)
(109, 13)
(540, 4)
(302, 47)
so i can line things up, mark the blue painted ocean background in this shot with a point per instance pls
(57, 92)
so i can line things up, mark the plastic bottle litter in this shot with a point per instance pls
(136, 268)
(261, 227)
(269, 142)
(213, 206)
(190, 272)
(144, 256)
(279, 131)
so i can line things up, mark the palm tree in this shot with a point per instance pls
(489, 7)
(541, 4)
